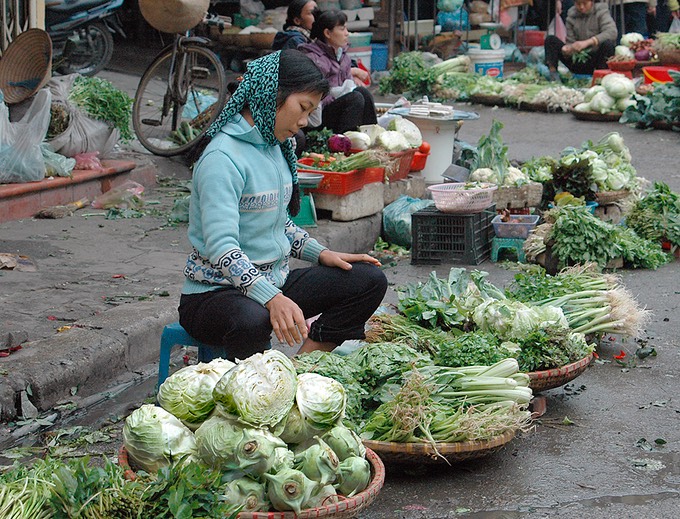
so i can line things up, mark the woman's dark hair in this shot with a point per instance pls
(298, 73)
(327, 20)
(295, 11)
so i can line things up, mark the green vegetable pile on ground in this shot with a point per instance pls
(656, 217)
(103, 101)
(662, 104)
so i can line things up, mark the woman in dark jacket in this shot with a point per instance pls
(296, 30)
(347, 106)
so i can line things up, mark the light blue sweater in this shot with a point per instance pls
(238, 224)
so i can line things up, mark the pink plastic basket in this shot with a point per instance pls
(462, 197)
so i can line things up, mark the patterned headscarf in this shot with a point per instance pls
(259, 90)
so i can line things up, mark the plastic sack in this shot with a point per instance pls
(61, 87)
(84, 135)
(251, 8)
(454, 21)
(88, 161)
(397, 219)
(125, 196)
(675, 26)
(347, 86)
(56, 165)
(558, 28)
(21, 159)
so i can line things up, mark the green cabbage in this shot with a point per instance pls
(247, 493)
(344, 442)
(289, 489)
(392, 141)
(602, 102)
(188, 392)
(408, 129)
(298, 428)
(260, 390)
(154, 439)
(372, 130)
(618, 86)
(216, 441)
(321, 400)
(354, 476)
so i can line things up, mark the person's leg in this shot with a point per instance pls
(344, 113)
(368, 116)
(636, 17)
(233, 324)
(346, 299)
(663, 17)
(600, 56)
(553, 49)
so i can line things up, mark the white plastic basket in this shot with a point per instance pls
(462, 197)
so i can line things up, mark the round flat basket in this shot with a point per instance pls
(344, 509)
(26, 65)
(461, 197)
(609, 197)
(487, 99)
(552, 378)
(424, 453)
(596, 116)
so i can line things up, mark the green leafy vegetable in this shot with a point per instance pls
(101, 100)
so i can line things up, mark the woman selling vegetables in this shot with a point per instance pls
(348, 106)
(238, 285)
(591, 37)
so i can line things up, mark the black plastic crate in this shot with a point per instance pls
(439, 237)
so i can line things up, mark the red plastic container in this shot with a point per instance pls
(419, 161)
(531, 38)
(400, 164)
(658, 74)
(341, 182)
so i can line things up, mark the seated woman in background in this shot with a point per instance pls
(296, 30)
(590, 28)
(348, 105)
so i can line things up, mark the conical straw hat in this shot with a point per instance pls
(173, 15)
(26, 65)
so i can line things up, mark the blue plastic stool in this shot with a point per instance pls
(516, 244)
(174, 335)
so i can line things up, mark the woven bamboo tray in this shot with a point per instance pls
(423, 453)
(609, 197)
(344, 509)
(596, 116)
(487, 99)
(552, 378)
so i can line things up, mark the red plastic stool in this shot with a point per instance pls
(600, 73)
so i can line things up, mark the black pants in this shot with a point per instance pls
(238, 327)
(597, 57)
(350, 111)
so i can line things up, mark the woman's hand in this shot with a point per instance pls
(360, 76)
(288, 321)
(578, 46)
(344, 260)
(568, 50)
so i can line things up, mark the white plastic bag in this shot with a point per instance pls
(21, 159)
(675, 26)
(347, 86)
(84, 135)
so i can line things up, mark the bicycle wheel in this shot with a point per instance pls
(177, 100)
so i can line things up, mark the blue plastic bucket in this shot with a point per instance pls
(379, 56)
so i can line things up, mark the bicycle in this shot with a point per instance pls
(180, 94)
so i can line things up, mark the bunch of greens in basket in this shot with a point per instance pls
(656, 217)
(101, 100)
(592, 302)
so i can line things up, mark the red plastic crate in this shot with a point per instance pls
(419, 161)
(531, 38)
(342, 182)
(400, 164)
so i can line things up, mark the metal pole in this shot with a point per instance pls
(391, 30)
(415, 31)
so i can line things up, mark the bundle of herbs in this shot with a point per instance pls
(656, 217)
(592, 302)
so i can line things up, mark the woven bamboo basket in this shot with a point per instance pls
(487, 99)
(552, 378)
(669, 57)
(528, 195)
(346, 508)
(609, 197)
(424, 453)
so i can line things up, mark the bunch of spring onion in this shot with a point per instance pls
(593, 303)
(437, 404)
